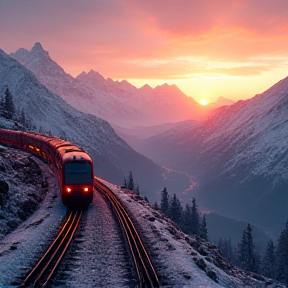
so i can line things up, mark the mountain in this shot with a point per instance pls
(238, 158)
(119, 103)
(165, 103)
(49, 113)
(221, 101)
(231, 229)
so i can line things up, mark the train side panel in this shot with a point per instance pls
(76, 186)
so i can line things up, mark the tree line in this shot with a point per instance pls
(130, 184)
(21, 121)
(246, 255)
(189, 219)
(8, 110)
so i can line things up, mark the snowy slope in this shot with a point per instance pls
(113, 158)
(119, 103)
(180, 260)
(239, 157)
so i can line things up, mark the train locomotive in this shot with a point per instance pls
(72, 166)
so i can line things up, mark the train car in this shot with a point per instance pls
(72, 166)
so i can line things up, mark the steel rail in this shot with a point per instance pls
(55, 252)
(145, 270)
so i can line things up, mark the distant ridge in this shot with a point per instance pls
(238, 157)
(117, 102)
(221, 101)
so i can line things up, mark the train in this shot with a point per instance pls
(72, 166)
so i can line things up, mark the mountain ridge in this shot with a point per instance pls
(115, 101)
(113, 157)
(238, 157)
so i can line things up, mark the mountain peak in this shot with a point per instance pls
(168, 88)
(38, 49)
(92, 75)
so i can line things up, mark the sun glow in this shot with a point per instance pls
(203, 102)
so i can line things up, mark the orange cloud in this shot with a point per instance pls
(175, 39)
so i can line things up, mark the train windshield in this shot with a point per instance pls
(76, 173)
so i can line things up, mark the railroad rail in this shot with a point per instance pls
(46, 266)
(146, 273)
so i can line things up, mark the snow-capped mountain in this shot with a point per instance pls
(117, 102)
(239, 157)
(113, 158)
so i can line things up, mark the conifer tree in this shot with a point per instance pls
(225, 247)
(137, 189)
(282, 256)
(175, 210)
(268, 268)
(203, 233)
(186, 222)
(194, 218)
(130, 182)
(156, 206)
(9, 108)
(164, 206)
(247, 256)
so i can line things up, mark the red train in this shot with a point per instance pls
(72, 165)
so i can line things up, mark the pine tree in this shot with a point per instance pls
(186, 222)
(175, 210)
(164, 206)
(9, 108)
(203, 233)
(282, 256)
(194, 218)
(156, 206)
(130, 182)
(137, 191)
(247, 254)
(225, 247)
(268, 268)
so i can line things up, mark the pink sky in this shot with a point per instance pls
(208, 48)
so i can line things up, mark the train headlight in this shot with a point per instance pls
(86, 189)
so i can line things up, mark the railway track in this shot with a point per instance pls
(46, 266)
(146, 274)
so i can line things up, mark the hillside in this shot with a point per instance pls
(180, 260)
(238, 157)
(48, 113)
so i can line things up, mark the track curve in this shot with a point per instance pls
(48, 263)
(146, 273)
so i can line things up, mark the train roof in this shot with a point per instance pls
(76, 156)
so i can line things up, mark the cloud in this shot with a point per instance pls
(151, 39)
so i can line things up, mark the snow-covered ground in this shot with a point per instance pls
(97, 257)
(180, 260)
(22, 247)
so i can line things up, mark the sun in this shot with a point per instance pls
(203, 102)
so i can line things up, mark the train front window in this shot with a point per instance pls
(76, 173)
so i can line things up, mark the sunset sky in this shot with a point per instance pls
(208, 48)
